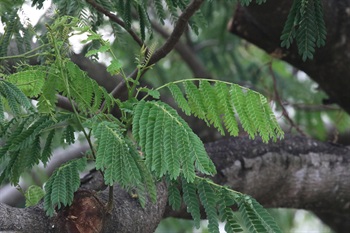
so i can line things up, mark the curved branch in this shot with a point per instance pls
(115, 19)
(297, 172)
(187, 54)
(179, 29)
(170, 43)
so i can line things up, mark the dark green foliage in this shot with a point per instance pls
(305, 23)
(191, 200)
(14, 98)
(218, 202)
(225, 201)
(68, 135)
(208, 199)
(256, 218)
(114, 156)
(21, 143)
(174, 199)
(62, 184)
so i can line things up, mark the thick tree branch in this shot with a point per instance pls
(87, 214)
(297, 172)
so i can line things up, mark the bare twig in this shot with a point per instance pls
(314, 108)
(179, 29)
(63, 102)
(279, 101)
(172, 40)
(186, 53)
(115, 19)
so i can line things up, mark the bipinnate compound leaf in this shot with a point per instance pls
(160, 130)
(222, 104)
(60, 187)
(33, 195)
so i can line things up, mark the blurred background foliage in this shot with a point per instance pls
(297, 99)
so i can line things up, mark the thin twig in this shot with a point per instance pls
(115, 19)
(279, 101)
(179, 29)
(314, 108)
(172, 40)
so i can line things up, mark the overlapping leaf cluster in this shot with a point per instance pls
(26, 141)
(306, 25)
(222, 104)
(119, 160)
(60, 188)
(218, 203)
(168, 146)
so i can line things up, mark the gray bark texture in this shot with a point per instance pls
(296, 172)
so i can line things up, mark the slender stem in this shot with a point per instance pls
(115, 19)
(110, 202)
(24, 55)
(199, 79)
(279, 101)
(64, 76)
(218, 185)
(170, 43)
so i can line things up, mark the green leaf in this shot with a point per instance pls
(114, 156)
(255, 217)
(159, 129)
(222, 102)
(114, 67)
(62, 184)
(174, 195)
(191, 200)
(14, 96)
(30, 82)
(33, 195)
(208, 199)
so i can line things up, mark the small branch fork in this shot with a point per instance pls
(167, 47)
(160, 53)
(116, 19)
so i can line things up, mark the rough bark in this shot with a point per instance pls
(88, 214)
(296, 172)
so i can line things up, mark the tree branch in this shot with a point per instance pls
(297, 172)
(177, 32)
(187, 54)
(115, 19)
(170, 43)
